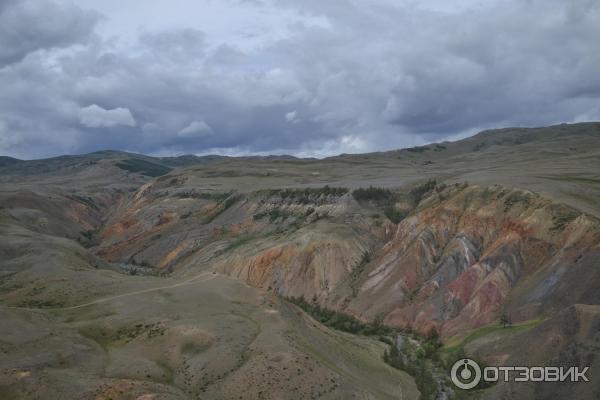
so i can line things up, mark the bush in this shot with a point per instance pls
(418, 192)
(372, 194)
(341, 321)
(382, 198)
(395, 215)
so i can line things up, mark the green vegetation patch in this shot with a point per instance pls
(417, 361)
(35, 303)
(455, 344)
(273, 215)
(306, 195)
(376, 194)
(357, 272)
(222, 207)
(418, 149)
(382, 198)
(144, 167)
(341, 321)
(418, 192)
(419, 357)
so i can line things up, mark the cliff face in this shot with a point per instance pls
(461, 257)
(458, 264)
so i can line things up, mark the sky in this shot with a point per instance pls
(310, 78)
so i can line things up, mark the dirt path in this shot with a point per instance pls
(191, 281)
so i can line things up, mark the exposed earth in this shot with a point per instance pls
(125, 276)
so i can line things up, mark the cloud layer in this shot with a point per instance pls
(309, 78)
(95, 116)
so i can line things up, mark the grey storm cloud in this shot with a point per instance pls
(28, 25)
(307, 78)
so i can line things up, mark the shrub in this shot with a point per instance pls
(418, 192)
(341, 321)
(395, 215)
(372, 194)
(384, 199)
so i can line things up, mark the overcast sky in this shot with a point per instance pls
(302, 77)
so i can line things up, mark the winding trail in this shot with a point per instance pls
(191, 281)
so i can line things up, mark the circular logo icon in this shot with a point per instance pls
(465, 373)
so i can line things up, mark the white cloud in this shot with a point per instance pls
(94, 116)
(292, 117)
(196, 129)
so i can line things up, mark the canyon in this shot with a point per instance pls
(133, 277)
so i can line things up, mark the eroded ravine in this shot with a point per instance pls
(462, 256)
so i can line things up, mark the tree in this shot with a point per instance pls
(505, 320)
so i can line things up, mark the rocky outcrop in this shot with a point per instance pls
(460, 261)
(461, 257)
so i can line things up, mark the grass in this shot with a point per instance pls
(575, 179)
(415, 361)
(41, 304)
(454, 349)
(456, 343)
(354, 358)
(144, 167)
(193, 348)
